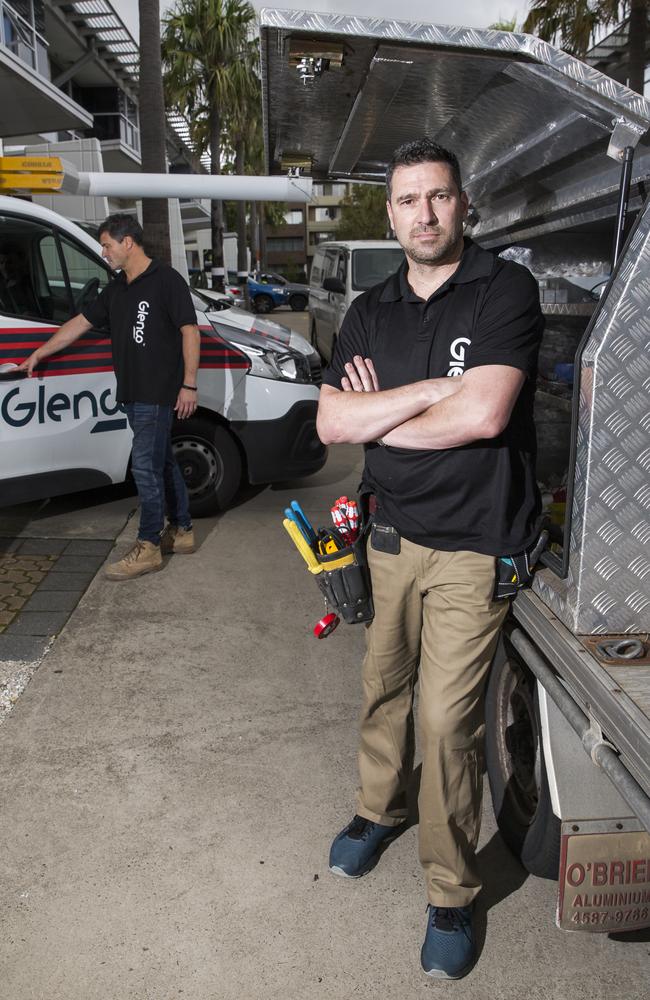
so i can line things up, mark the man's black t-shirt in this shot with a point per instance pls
(482, 496)
(144, 320)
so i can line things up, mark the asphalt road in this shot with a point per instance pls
(172, 778)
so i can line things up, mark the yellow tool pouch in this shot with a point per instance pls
(344, 581)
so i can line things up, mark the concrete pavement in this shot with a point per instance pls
(171, 781)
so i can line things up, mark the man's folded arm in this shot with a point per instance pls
(480, 410)
(357, 417)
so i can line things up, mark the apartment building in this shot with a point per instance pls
(69, 80)
(290, 247)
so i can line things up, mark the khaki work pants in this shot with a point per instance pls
(434, 617)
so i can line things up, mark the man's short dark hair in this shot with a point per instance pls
(422, 150)
(122, 224)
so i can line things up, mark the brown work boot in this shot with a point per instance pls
(175, 539)
(144, 557)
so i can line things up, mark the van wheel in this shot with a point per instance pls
(298, 302)
(515, 765)
(210, 463)
(263, 303)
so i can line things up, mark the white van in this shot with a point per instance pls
(63, 431)
(339, 272)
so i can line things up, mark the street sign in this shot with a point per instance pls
(31, 173)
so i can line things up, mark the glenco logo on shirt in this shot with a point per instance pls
(457, 352)
(138, 329)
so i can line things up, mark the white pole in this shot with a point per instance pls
(226, 187)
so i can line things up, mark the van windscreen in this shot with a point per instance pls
(371, 266)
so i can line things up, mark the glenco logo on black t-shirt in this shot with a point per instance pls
(457, 352)
(138, 329)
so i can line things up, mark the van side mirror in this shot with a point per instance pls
(334, 285)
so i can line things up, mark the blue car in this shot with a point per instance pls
(266, 295)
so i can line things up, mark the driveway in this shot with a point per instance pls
(172, 778)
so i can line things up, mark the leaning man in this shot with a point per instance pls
(434, 374)
(149, 314)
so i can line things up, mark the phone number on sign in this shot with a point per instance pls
(610, 916)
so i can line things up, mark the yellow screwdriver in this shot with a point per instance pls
(303, 546)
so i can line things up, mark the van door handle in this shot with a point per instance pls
(8, 373)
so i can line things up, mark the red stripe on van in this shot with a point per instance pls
(215, 352)
(74, 371)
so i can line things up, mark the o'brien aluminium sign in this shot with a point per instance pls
(604, 876)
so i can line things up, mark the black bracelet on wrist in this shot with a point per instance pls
(192, 387)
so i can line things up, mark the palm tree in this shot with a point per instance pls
(155, 211)
(203, 43)
(574, 24)
(244, 136)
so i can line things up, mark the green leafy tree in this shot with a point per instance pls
(574, 25)
(244, 137)
(155, 211)
(204, 54)
(363, 214)
(504, 25)
(245, 153)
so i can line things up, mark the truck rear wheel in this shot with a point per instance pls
(515, 766)
(210, 462)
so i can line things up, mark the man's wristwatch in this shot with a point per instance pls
(191, 387)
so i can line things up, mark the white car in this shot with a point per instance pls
(63, 430)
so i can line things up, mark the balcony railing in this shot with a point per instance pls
(21, 37)
(113, 125)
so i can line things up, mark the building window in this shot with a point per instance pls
(324, 214)
(293, 217)
(285, 244)
(316, 238)
(115, 115)
(21, 25)
(329, 190)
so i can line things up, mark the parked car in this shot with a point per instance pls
(340, 272)
(266, 295)
(267, 290)
(298, 294)
(63, 430)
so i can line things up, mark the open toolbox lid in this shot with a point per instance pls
(532, 126)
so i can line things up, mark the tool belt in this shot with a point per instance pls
(344, 581)
(515, 572)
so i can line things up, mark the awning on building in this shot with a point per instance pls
(31, 104)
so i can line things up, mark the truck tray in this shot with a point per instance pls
(616, 696)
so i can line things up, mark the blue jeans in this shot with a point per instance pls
(160, 484)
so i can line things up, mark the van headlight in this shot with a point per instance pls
(268, 358)
(287, 365)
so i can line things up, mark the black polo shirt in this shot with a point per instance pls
(481, 496)
(144, 318)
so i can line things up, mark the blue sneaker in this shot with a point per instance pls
(357, 847)
(449, 949)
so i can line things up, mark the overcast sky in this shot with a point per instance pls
(477, 13)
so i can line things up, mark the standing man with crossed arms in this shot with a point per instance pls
(156, 344)
(450, 462)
